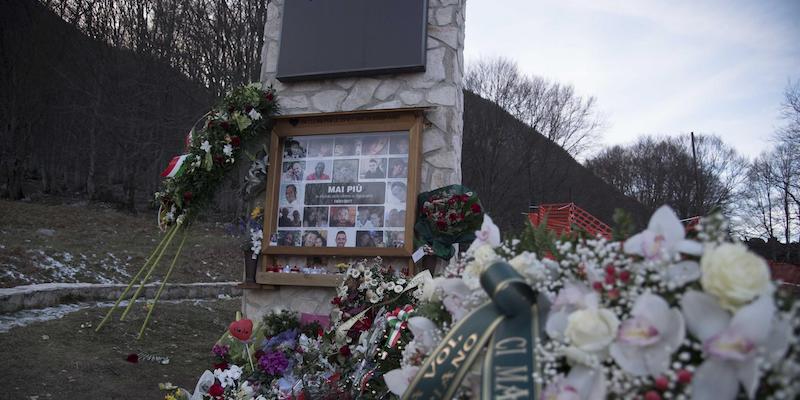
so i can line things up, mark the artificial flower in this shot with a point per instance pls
(254, 114)
(488, 234)
(734, 275)
(582, 383)
(206, 146)
(732, 343)
(646, 341)
(227, 150)
(397, 380)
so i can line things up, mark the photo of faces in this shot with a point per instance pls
(375, 145)
(320, 148)
(288, 238)
(343, 216)
(395, 238)
(373, 168)
(345, 170)
(395, 217)
(396, 192)
(398, 144)
(369, 239)
(315, 217)
(398, 168)
(294, 148)
(357, 218)
(369, 217)
(346, 146)
(315, 238)
(320, 170)
(293, 171)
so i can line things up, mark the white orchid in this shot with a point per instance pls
(397, 380)
(206, 146)
(732, 344)
(425, 334)
(489, 234)
(227, 150)
(646, 341)
(664, 239)
(456, 297)
(254, 115)
(582, 383)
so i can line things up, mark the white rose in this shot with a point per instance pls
(591, 329)
(734, 275)
(484, 256)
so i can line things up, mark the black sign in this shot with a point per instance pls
(345, 193)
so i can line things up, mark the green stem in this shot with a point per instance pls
(168, 239)
(133, 280)
(164, 283)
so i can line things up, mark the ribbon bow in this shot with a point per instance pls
(398, 320)
(509, 324)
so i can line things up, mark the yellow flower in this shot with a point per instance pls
(256, 212)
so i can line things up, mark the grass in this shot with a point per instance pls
(80, 242)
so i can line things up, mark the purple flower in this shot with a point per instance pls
(273, 363)
(220, 350)
(285, 339)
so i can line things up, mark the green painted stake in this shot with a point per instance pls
(146, 277)
(163, 283)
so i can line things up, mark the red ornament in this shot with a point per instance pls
(684, 377)
(610, 270)
(625, 276)
(610, 279)
(241, 329)
(652, 395)
(662, 383)
(597, 286)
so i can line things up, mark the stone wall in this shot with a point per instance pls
(439, 87)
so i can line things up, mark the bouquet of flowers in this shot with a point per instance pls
(447, 215)
(657, 316)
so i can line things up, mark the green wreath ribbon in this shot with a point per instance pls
(509, 323)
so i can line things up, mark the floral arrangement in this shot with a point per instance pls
(192, 178)
(447, 215)
(663, 314)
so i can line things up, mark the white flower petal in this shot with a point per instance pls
(397, 380)
(655, 309)
(665, 222)
(683, 272)
(754, 321)
(676, 331)
(689, 247)
(635, 244)
(715, 380)
(494, 232)
(778, 342)
(590, 383)
(704, 316)
(629, 358)
(556, 324)
(748, 375)
(657, 359)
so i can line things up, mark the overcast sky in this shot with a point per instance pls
(656, 67)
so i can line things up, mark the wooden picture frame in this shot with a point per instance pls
(377, 122)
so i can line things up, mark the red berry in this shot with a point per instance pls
(662, 383)
(613, 294)
(610, 279)
(610, 270)
(625, 276)
(597, 286)
(684, 376)
(652, 395)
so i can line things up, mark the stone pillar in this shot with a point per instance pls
(439, 87)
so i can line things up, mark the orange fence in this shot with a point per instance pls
(564, 217)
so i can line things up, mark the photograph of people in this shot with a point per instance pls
(297, 220)
(315, 216)
(362, 219)
(398, 168)
(345, 170)
(396, 217)
(288, 238)
(341, 239)
(398, 145)
(343, 216)
(293, 171)
(314, 239)
(369, 217)
(376, 217)
(289, 197)
(320, 148)
(292, 148)
(367, 238)
(373, 146)
(395, 239)
(373, 168)
(398, 192)
(319, 173)
(284, 217)
(346, 146)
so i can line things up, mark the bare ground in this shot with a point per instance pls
(60, 360)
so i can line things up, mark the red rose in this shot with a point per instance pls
(223, 365)
(345, 351)
(476, 208)
(187, 196)
(216, 390)
(268, 96)
(337, 301)
(225, 125)
(132, 358)
(362, 324)
(441, 225)
(235, 141)
(219, 159)
(453, 217)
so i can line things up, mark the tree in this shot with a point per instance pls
(659, 171)
(551, 108)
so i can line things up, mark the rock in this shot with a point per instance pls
(45, 232)
(328, 100)
(445, 95)
(444, 16)
(411, 98)
(293, 101)
(387, 105)
(361, 94)
(432, 139)
(386, 89)
(447, 34)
